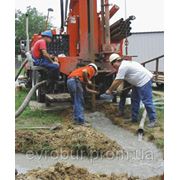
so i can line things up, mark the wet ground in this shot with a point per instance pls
(142, 158)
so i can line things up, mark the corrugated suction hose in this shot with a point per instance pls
(28, 98)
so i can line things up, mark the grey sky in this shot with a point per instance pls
(149, 13)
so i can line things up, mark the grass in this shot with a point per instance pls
(160, 143)
(156, 134)
(34, 117)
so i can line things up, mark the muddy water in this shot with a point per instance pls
(142, 158)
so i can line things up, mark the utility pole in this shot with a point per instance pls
(49, 10)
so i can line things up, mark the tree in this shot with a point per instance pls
(37, 22)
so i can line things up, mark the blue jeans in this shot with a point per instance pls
(76, 91)
(122, 103)
(52, 68)
(123, 97)
(143, 93)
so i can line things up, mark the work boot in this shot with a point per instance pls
(86, 121)
(151, 124)
(85, 124)
(129, 120)
(134, 120)
(16, 172)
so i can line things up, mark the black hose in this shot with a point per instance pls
(28, 98)
(62, 14)
(20, 69)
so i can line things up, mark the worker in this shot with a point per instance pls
(76, 80)
(43, 58)
(141, 79)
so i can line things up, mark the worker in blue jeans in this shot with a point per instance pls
(76, 91)
(43, 58)
(141, 80)
(76, 80)
(143, 93)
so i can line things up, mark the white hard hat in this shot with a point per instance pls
(61, 55)
(114, 57)
(95, 67)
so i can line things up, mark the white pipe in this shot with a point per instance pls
(141, 125)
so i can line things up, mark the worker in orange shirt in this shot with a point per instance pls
(75, 81)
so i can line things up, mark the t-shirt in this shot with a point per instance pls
(79, 72)
(134, 73)
(38, 46)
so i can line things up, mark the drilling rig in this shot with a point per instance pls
(85, 36)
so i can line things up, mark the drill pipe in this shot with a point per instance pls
(121, 27)
(116, 24)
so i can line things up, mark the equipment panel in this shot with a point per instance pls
(59, 45)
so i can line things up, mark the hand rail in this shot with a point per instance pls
(157, 65)
(148, 61)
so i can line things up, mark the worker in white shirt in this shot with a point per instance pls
(141, 79)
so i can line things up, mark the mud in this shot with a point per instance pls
(69, 172)
(62, 171)
(71, 140)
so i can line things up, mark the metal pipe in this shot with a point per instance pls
(62, 15)
(121, 24)
(121, 29)
(113, 11)
(27, 32)
(120, 34)
(120, 21)
(49, 9)
(66, 9)
(28, 98)
(116, 24)
(91, 42)
(107, 27)
(117, 31)
(157, 68)
(103, 19)
(47, 21)
(119, 37)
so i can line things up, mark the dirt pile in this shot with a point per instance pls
(69, 172)
(69, 140)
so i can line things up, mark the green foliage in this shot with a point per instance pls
(160, 143)
(37, 22)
